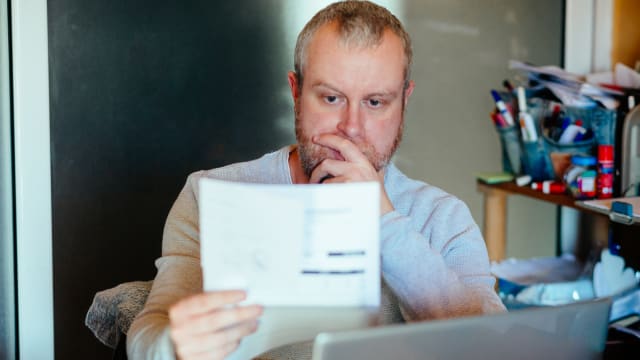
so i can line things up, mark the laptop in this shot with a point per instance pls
(574, 331)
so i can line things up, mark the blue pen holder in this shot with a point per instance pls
(536, 162)
(510, 143)
(545, 158)
(511, 149)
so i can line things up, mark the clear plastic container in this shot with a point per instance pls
(580, 177)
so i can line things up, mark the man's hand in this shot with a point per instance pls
(210, 325)
(354, 168)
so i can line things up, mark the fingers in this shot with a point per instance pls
(327, 171)
(338, 171)
(214, 321)
(217, 344)
(355, 167)
(204, 303)
(345, 147)
(211, 325)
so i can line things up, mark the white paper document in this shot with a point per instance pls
(291, 247)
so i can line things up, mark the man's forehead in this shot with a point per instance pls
(380, 69)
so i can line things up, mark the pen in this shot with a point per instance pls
(498, 120)
(502, 108)
(526, 121)
(555, 116)
(501, 119)
(556, 132)
(507, 85)
(549, 187)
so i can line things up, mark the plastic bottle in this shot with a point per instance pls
(580, 177)
(605, 172)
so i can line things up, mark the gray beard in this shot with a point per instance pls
(311, 155)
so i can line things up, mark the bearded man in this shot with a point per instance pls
(350, 87)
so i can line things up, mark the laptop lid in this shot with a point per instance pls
(574, 331)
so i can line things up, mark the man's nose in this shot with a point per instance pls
(351, 121)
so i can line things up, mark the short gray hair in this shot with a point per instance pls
(360, 23)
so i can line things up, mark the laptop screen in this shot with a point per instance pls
(574, 331)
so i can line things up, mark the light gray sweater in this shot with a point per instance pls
(434, 260)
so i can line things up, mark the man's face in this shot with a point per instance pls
(351, 92)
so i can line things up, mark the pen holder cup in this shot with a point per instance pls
(536, 161)
(511, 150)
(603, 124)
(600, 121)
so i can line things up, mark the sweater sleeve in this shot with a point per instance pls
(178, 276)
(437, 267)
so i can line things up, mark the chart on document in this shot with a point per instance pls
(292, 245)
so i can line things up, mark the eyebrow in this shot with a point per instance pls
(385, 94)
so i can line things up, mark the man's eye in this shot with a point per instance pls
(374, 103)
(331, 99)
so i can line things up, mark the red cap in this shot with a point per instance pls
(605, 153)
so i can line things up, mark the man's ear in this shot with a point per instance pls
(292, 77)
(408, 91)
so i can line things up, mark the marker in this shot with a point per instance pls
(502, 108)
(549, 187)
(553, 121)
(529, 133)
(555, 114)
(498, 120)
(501, 119)
(507, 85)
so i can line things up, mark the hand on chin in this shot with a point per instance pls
(344, 162)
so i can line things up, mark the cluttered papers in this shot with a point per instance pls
(305, 252)
(570, 89)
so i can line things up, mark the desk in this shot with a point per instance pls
(495, 211)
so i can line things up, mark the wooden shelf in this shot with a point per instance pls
(495, 211)
(511, 188)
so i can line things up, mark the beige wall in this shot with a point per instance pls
(461, 52)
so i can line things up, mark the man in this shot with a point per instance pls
(350, 88)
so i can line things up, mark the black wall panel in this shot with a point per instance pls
(143, 93)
